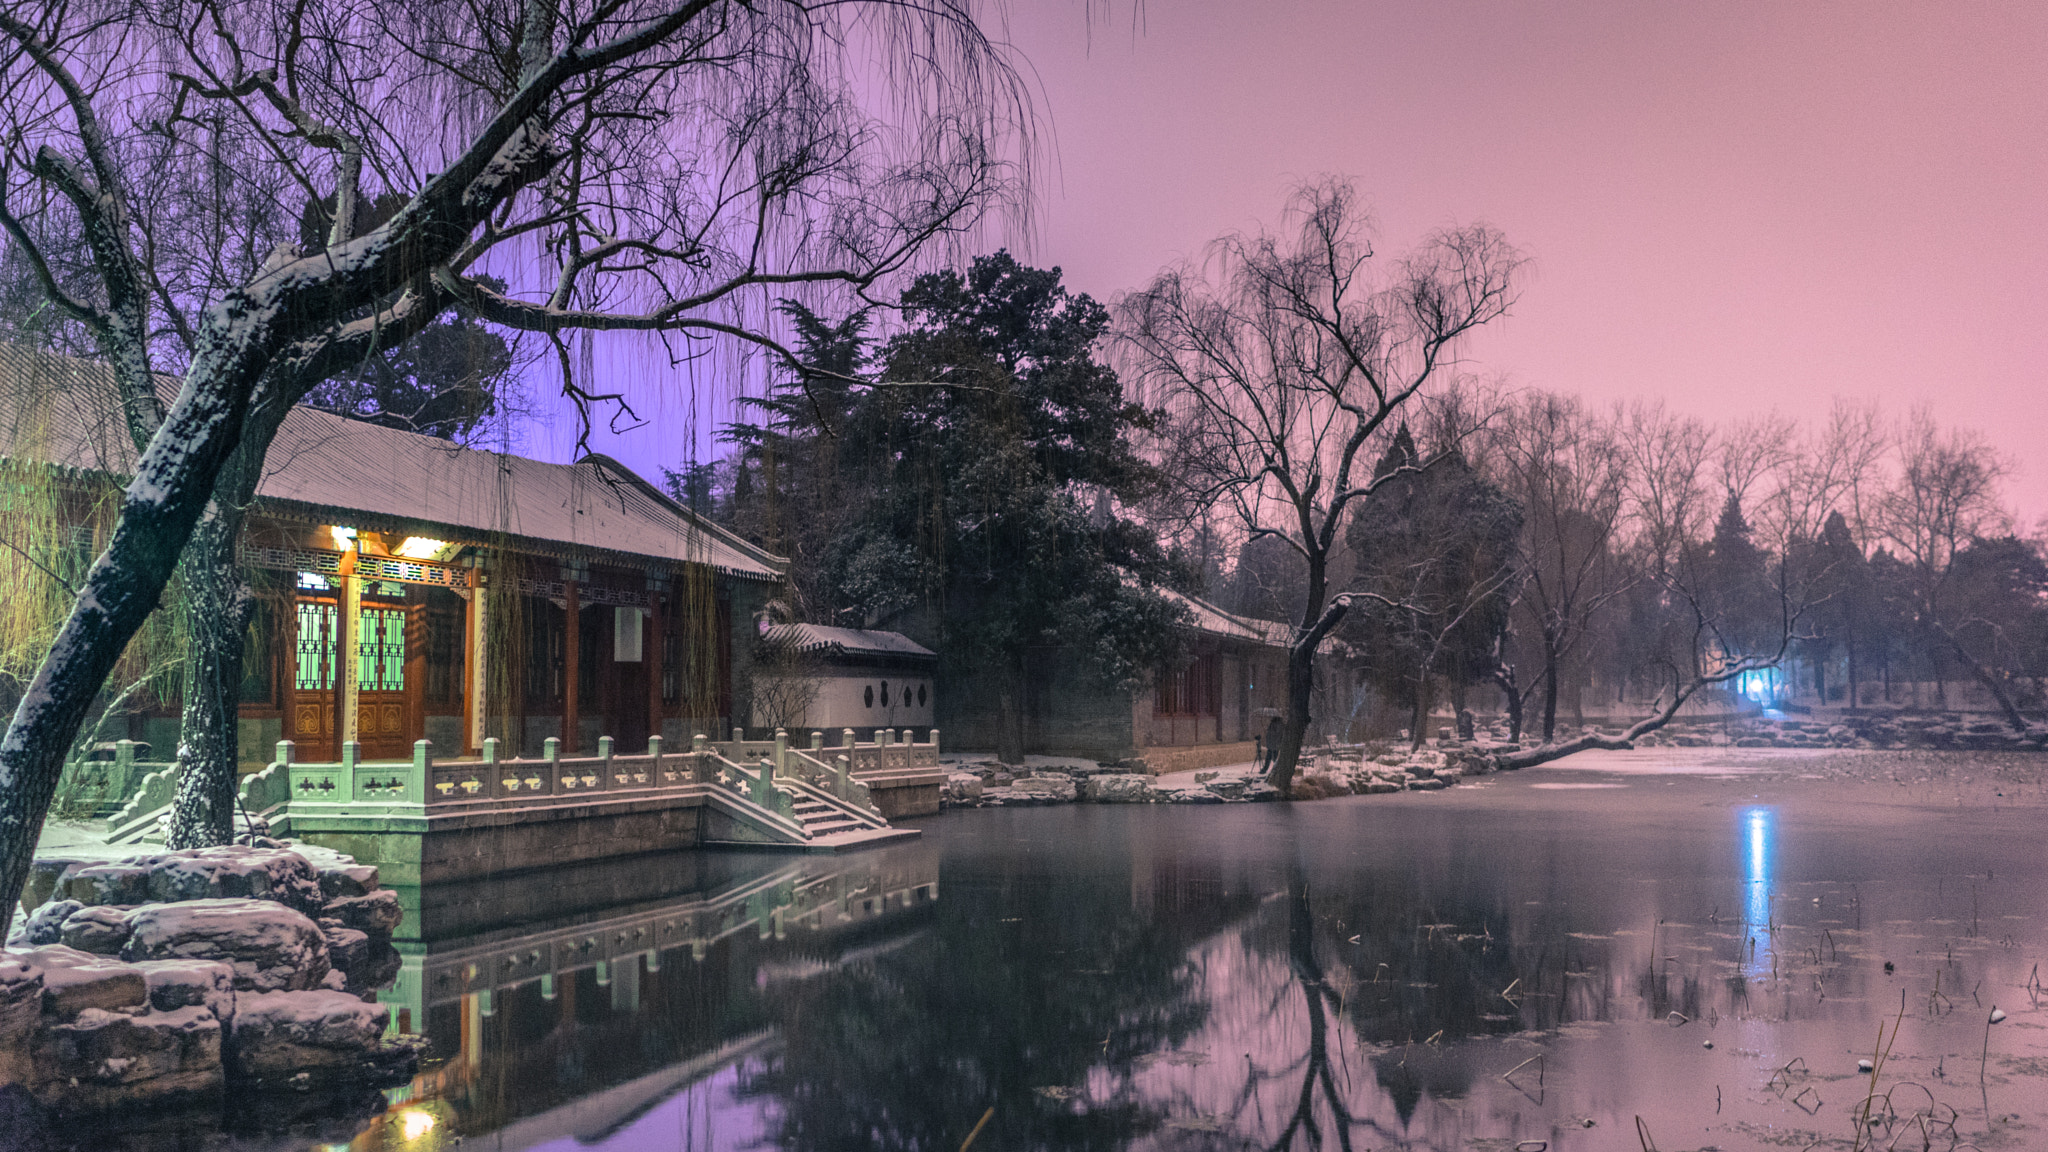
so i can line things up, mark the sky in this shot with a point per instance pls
(1735, 207)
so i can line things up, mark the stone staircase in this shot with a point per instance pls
(822, 819)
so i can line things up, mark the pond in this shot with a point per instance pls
(1545, 959)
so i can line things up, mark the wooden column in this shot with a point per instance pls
(348, 629)
(572, 653)
(474, 679)
(651, 655)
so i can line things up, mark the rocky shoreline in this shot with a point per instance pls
(171, 979)
(1386, 766)
(1361, 771)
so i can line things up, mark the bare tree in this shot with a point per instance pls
(1943, 498)
(1277, 375)
(663, 160)
(1571, 476)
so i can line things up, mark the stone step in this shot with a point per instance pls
(827, 827)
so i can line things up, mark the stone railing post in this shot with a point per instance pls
(351, 751)
(701, 759)
(551, 751)
(935, 745)
(604, 753)
(654, 760)
(285, 749)
(422, 771)
(843, 766)
(846, 738)
(817, 741)
(124, 759)
(764, 785)
(781, 752)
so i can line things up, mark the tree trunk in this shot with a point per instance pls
(1301, 678)
(1009, 719)
(1855, 699)
(1420, 717)
(1820, 679)
(1504, 675)
(1988, 678)
(173, 482)
(1549, 687)
(217, 603)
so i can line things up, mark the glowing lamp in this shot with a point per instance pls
(421, 548)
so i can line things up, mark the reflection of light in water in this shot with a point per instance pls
(1756, 888)
(415, 1124)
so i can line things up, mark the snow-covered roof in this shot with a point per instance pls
(1206, 617)
(323, 466)
(847, 641)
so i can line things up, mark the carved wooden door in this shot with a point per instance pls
(313, 697)
(383, 705)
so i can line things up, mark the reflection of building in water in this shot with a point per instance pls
(1759, 848)
(590, 1016)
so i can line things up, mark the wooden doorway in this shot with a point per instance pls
(384, 700)
(314, 690)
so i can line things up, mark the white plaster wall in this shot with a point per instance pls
(842, 702)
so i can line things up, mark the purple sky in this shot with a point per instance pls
(1732, 206)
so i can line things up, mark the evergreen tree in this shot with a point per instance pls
(1437, 553)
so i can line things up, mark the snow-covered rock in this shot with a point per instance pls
(1057, 786)
(105, 884)
(75, 982)
(46, 924)
(101, 929)
(377, 913)
(21, 1011)
(347, 880)
(175, 984)
(237, 871)
(279, 1034)
(102, 1060)
(271, 947)
(1122, 788)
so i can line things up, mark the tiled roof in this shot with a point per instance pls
(850, 641)
(1206, 617)
(62, 411)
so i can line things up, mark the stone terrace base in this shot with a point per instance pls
(1160, 761)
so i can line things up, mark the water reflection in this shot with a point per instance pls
(1758, 828)
(1337, 975)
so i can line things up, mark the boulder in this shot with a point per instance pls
(347, 880)
(348, 949)
(46, 924)
(1429, 785)
(44, 874)
(175, 984)
(1233, 789)
(377, 914)
(104, 1060)
(21, 1011)
(99, 928)
(75, 982)
(280, 1034)
(1054, 787)
(1189, 796)
(270, 947)
(1123, 788)
(962, 787)
(105, 884)
(235, 871)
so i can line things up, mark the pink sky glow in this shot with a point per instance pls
(1735, 207)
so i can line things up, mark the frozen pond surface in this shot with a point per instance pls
(1708, 944)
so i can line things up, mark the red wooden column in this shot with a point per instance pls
(572, 652)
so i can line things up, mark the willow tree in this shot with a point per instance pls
(622, 165)
(1279, 375)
